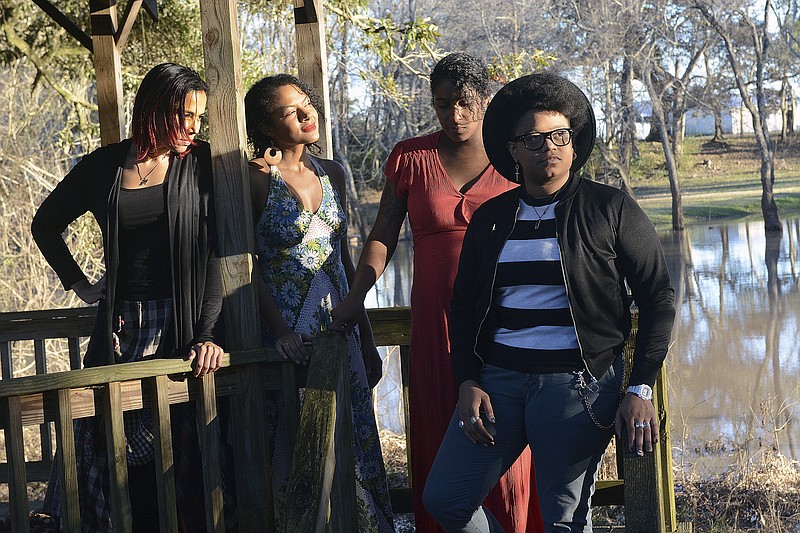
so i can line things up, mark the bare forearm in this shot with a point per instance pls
(374, 258)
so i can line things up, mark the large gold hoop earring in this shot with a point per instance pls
(272, 155)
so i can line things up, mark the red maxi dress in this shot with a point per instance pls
(439, 214)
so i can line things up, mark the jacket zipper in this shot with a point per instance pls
(491, 288)
(569, 302)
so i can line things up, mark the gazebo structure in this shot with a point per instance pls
(320, 502)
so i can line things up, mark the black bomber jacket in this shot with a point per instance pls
(605, 242)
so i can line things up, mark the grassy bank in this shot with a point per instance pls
(719, 181)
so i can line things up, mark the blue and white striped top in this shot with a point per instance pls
(532, 326)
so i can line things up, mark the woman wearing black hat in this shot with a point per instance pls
(540, 313)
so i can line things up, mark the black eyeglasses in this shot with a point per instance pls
(534, 141)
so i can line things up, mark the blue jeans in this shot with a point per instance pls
(546, 411)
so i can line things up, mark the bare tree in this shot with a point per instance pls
(724, 24)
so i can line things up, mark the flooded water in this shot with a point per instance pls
(734, 366)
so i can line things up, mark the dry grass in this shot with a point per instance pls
(757, 494)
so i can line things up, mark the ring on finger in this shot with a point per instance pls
(638, 425)
(461, 424)
(645, 424)
(473, 420)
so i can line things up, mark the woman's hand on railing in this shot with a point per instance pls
(290, 346)
(89, 292)
(347, 314)
(207, 357)
(372, 363)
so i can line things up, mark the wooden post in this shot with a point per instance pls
(235, 249)
(117, 458)
(108, 70)
(11, 412)
(316, 499)
(312, 62)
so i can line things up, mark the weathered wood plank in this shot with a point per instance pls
(391, 326)
(65, 22)
(312, 62)
(235, 236)
(40, 357)
(108, 70)
(74, 350)
(68, 472)
(404, 371)
(88, 377)
(343, 503)
(15, 452)
(291, 404)
(6, 364)
(664, 445)
(609, 492)
(117, 458)
(313, 462)
(208, 431)
(128, 19)
(643, 493)
(47, 324)
(164, 460)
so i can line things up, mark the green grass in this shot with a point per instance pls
(718, 182)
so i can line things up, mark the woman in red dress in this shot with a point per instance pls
(439, 180)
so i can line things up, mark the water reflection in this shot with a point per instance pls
(734, 366)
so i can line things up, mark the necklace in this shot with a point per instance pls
(539, 217)
(144, 179)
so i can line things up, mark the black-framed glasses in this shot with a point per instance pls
(535, 140)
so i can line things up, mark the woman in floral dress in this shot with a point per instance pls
(299, 211)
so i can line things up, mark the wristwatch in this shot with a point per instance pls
(645, 392)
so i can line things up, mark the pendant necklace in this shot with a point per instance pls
(547, 207)
(144, 179)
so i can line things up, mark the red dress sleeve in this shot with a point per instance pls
(397, 171)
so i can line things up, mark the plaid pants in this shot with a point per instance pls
(139, 328)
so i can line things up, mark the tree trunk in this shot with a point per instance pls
(769, 208)
(628, 126)
(340, 138)
(718, 134)
(672, 168)
(784, 111)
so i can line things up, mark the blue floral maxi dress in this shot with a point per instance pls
(300, 259)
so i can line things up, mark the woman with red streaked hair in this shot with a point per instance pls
(161, 294)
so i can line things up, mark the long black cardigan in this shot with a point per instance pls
(93, 185)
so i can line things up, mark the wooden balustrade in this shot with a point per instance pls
(317, 502)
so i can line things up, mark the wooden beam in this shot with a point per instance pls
(151, 6)
(108, 70)
(65, 22)
(225, 111)
(128, 19)
(312, 62)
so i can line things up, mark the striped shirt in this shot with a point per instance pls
(531, 322)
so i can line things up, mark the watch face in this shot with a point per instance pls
(642, 391)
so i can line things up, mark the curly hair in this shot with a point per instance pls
(467, 73)
(542, 91)
(159, 100)
(259, 102)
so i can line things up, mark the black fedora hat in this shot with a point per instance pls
(541, 91)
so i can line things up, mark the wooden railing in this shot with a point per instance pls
(647, 490)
